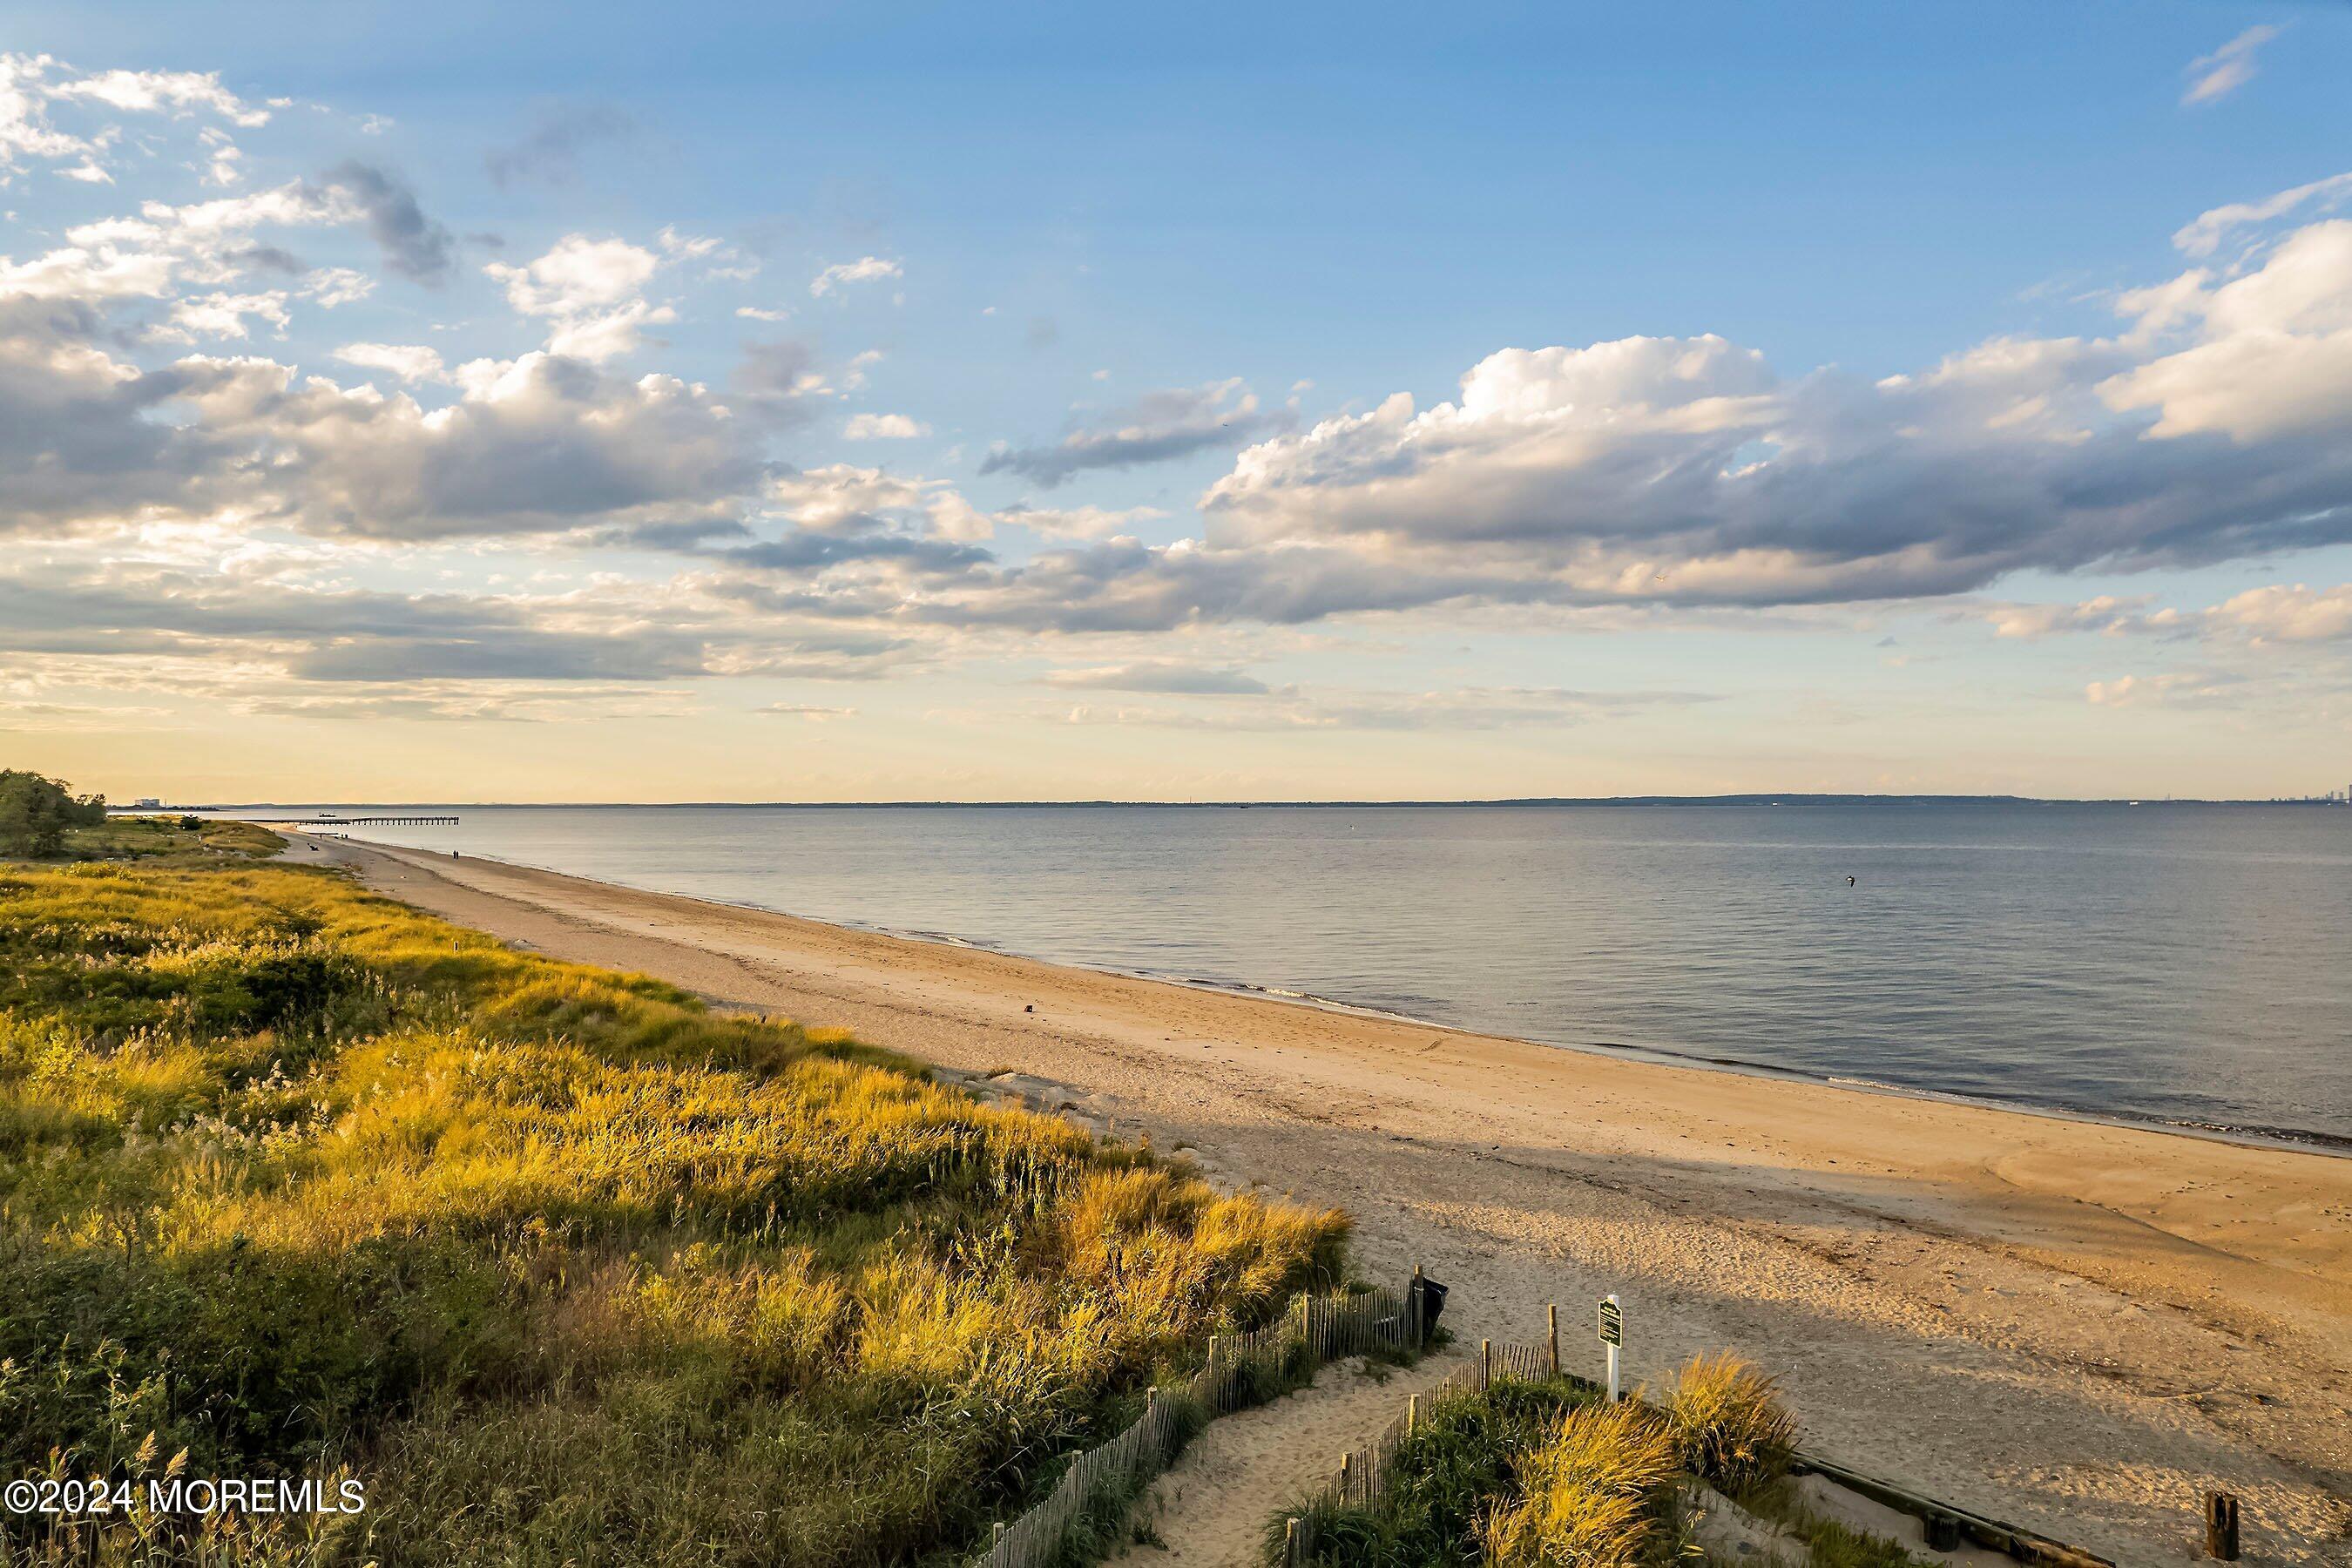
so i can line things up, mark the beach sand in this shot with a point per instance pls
(2076, 1327)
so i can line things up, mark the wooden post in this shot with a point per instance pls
(1485, 1366)
(996, 1536)
(2222, 1526)
(1290, 1542)
(1551, 1319)
(1411, 1413)
(1346, 1472)
(1420, 1308)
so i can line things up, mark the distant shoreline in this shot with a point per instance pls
(1800, 802)
(2298, 1140)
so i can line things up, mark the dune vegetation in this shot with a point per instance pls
(1547, 1473)
(556, 1264)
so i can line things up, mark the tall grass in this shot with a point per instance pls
(1591, 1496)
(1730, 1425)
(562, 1266)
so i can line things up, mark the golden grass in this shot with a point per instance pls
(1729, 1425)
(562, 1266)
(1588, 1497)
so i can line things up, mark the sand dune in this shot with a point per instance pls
(2075, 1326)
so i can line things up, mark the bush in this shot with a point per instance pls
(1730, 1425)
(35, 813)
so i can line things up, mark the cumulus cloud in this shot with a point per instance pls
(2225, 70)
(1162, 426)
(883, 428)
(2295, 615)
(543, 442)
(865, 270)
(1685, 471)
(841, 498)
(589, 291)
(409, 362)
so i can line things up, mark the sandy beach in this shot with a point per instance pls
(2076, 1327)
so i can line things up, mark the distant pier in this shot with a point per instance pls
(380, 821)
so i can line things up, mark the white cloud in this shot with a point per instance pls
(157, 91)
(577, 275)
(883, 427)
(222, 316)
(865, 270)
(2227, 68)
(2276, 354)
(761, 313)
(2105, 613)
(2202, 234)
(407, 361)
(588, 290)
(333, 286)
(2296, 615)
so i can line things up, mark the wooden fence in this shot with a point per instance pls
(1240, 1369)
(1363, 1473)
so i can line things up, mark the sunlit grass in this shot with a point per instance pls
(562, 1265)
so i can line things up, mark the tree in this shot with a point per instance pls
(35, 813)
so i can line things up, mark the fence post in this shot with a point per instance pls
(1347, 1473)
(1290, 1542)
(1552, 1318)
(1420, 1308)
(1485, 1366)
(2222, 1526)
(1411, 1413)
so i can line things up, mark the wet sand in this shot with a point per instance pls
(2077, 1327)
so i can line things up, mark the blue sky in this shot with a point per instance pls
(916, 402)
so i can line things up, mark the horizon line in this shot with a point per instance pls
(1740, 798)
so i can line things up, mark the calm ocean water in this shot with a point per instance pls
(2174, 963)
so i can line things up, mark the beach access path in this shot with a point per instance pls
(2076, 1327)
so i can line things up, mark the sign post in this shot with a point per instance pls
(1613, 1334)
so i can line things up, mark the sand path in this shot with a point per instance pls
(2073, 1326)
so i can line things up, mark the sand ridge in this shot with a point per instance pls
(2075, 1326)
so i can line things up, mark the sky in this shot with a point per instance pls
(606, 403)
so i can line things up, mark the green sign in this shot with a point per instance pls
(1612, 1324)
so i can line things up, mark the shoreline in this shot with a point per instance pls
(2074, 1325)
(2297, 1140)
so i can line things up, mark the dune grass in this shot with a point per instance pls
(1730, 1427)
(560, 1264)
(1547, 1474)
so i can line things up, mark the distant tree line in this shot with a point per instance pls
(35, 813)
